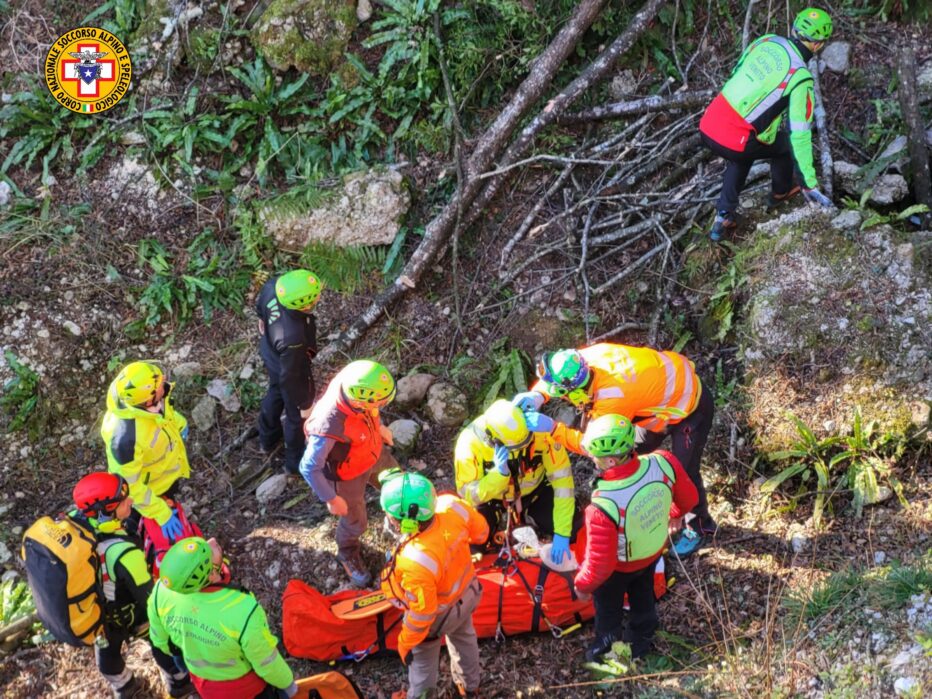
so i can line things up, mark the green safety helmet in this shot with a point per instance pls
(813, 24)
(564, 371)
(298, 289)
(409, 497)
(505, 424)
(186, 566)
(609, 435)
(367, 384)
(138, 383)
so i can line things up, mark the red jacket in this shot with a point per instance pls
(601, 557)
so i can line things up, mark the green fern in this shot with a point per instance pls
(346, 270)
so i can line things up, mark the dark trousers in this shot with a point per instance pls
(271, 427)
(689, 438)
(110, 659)
(739, 165)
(536, 510)
(642, 614)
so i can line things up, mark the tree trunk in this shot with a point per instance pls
(825, 148)
(440, 228)
(915, 130)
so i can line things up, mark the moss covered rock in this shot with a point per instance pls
(310, 35)
(837, 320)
(366, 210)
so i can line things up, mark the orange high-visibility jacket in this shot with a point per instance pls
(434, 568)
(653, 389)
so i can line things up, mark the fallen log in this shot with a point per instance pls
(440, 229)
(825, 147)
(643, 105)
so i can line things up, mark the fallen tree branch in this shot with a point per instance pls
(594, 73)
(490, 144)
(18, 626)
(644, 105)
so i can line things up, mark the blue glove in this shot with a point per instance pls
(560, 548)
(529, 400)
(538, 422)
(184, 433)
(814, 196)
(501, 460)
(172, 529)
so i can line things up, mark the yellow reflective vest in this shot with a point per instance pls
(478, 481)
(146, 449)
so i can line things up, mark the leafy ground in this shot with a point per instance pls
(134, 236)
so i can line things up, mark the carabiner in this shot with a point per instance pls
(499, 634)
(560, 633)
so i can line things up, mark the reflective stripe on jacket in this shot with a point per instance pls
(478, 481)
(146, 449)
(771, 78)
(222, 633)
(358, 440)
(433, 568)
(651, 388)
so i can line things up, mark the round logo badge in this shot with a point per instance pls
(88, 70)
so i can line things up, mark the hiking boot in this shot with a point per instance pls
(724, 221)
(355, 568)
(461, 691)
(694, 536)
(774, 200)
(600, 646)
(131, 690)
(180, 690)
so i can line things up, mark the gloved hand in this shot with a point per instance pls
(559, 549)
(529, 400)
(538, 422)
(288, 691)
(814, 196)
(184, 433)
(172, 529)
(500, 459)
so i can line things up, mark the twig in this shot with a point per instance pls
(746, 34)
(643, 105)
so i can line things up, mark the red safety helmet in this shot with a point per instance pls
(100, 493)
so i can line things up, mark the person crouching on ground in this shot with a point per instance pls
(635, 503)
(431, 576)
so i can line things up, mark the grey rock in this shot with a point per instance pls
(311, 35)
(5, 192)
(447, 405)
(836, 56)
(363, 10)
(274, 571)
(849, 220)
(883, 494)
(906, 686)
(9, 575)
(72, 327)
(5, 553)
(919, 413)
(204, 414)
(405, 434)
(271, 488)
(924, 80)
(366, 210)
(846, 176)
(186, 370)
(223, 391)
(889, 189)
(879, 557)
(411, 390)
(247, 371)
(799, 542)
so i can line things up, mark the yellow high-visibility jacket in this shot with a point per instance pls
(146, 449)
(478, 481)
